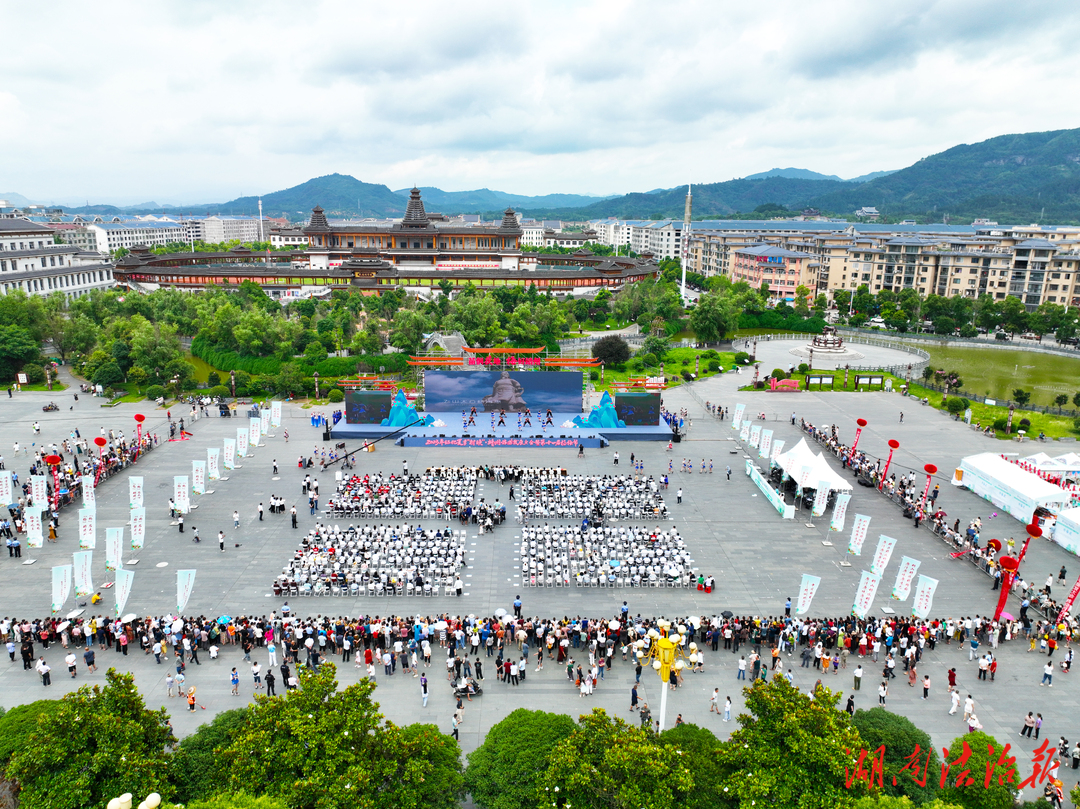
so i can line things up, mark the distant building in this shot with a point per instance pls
(783, 270)
(868, 213)
(30, 260)
(567, 240)
(293, 238)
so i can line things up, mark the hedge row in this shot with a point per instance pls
(775, 320)
(225, 360)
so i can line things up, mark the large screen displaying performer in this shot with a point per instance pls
(367, 406)
(512, 391)
(638, 407)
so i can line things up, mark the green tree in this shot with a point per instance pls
(713, 317)
(195, 768)
(153, 347)
(658, 346)
(407, 330)
(1021, 396)
(802, 304)
(68, 334)
(289, 380)
(880, 801)
(985, 752)
(1076, 399)
(100, 742)
(1061, 400)
(699, 747)
(1014, 316)
(17, 724)
(477, 318)
(321, 747)
(607, 763)
(236, 800)
(614, 350)
(809, 737)
(108, 374)
(17, 347)
(901, 739)
(505, 771)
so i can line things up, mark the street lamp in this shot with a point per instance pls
(664, 650)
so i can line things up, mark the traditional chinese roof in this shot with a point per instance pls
(509, 223)
(415, 215)
(318, 222)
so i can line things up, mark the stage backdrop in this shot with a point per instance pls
(638, 407)
(367, 406)
(512, 391)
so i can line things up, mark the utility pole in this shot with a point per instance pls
(686, 240)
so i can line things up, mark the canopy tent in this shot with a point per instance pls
(1009, 487)
(1067, 464)
(1067, 530)
(800, 458)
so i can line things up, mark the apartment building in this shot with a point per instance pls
(32, 261)
(781, 269)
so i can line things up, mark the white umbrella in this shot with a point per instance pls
(500, 612)
(695, 620)
(439, 625)
(63, 626)
(613, 625)
(74, 613)
(127, 619)
(177, 625)
(505, 619)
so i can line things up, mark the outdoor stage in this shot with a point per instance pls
(482, 434)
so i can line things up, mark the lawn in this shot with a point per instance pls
(984, 415)
(676, 361)
(56, 386)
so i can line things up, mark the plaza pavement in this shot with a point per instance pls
(733, 534)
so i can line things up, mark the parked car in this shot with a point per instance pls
(1030, 335)
(1001, 335)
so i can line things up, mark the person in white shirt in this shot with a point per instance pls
(70, 661)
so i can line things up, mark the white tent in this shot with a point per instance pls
(801, 464)
(1009, 487)
(1067, 530)
(1067, 464)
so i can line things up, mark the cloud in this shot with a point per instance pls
(205, 101)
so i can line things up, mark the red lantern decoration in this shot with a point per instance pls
(1009, 566)
(1033, 530)
(858, 431)
(930, 470)
(995, 544)
(54, 462)
(893, 446)
(101, 442)
(139, 419)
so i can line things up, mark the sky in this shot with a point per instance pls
(206, 101)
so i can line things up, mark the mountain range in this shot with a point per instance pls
(1013, 179)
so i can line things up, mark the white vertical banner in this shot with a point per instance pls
(883, 553)
(124, 580)
(736, 419)
(821, 498)
(807, 590)
(181, 494)
(839, 512)
(185, 581)
(275, 414)
(35, 528)
(6, 489)
(858, 534)
(254, 429)
(61, 586)
(864, 595)
(213, 463)
(135, 492)
(755, 435)
(84, 581)
(39, 490)
(777, 448)
(87, 528)
(230, 453)
(198, 477)
(241, 442)
(904, 577)
(89, 495)
(924, 597)
(138, 528)
(766, 443)
(114, 548)
(264, 421)
(744, 432)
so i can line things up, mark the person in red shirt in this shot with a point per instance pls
(952, 679)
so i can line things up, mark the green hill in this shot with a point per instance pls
(1011, 177)
(484, 199)
(710, 200)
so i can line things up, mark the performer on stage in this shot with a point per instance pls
(502, 418)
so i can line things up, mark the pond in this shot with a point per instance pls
(996, 373)
(202, 369)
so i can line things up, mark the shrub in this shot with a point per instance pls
(804, 368)
(1000, 424)
(635, 364)
(213, 379)
(108, 373)
(711, 354)
(778, 373)
(155, 392)
(336, 395)
(35, 374)
(713, 366)
(594, 375)
(611, 350)
(218, 391)
(647, 359)
(899, 736)
(742, 358)
(1025, 424)
(956, 405)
